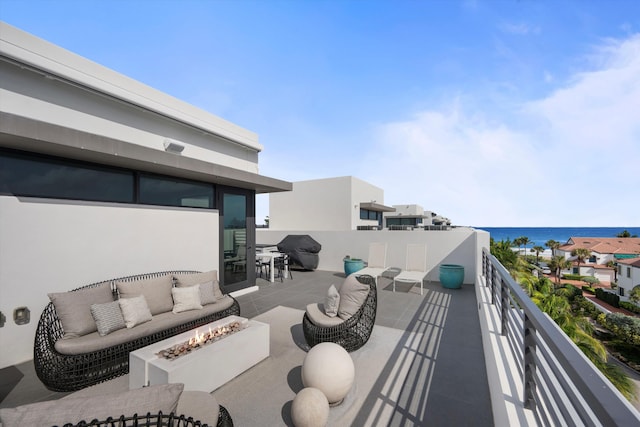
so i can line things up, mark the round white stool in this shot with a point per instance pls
(329, 368)
(310, 408)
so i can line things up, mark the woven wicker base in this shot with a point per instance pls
(60, 372)
(354, 332)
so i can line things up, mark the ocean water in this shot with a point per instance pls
(538, 236)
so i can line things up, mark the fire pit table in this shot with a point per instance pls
(227, 348)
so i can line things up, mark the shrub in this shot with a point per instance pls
(630, 306)
(608, 297)
(573, 292)
(586, 307)
(572, 277)
(588, 289)
(627, 328)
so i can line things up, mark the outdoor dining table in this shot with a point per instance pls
(271, 256)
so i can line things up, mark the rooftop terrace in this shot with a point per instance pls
(446, 384)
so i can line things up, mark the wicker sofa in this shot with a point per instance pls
(351, 327)
(71, 359)
(159, 405)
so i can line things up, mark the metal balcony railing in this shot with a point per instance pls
(561, 386)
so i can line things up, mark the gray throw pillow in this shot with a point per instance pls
(191, 279)
(74, 308)
(333, 302)
(352, 295)
(208, 292)
(156, 291)
(108, 317)
(73, 410)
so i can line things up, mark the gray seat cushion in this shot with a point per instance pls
(315, 312)
(156, 291)
(73, 410)
(93, 342)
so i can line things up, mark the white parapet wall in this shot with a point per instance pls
(461, 245)
(55, 245)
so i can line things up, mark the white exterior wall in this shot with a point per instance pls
(460, 245)
(362, 191)
(628, 283)
(54, 246)
(43, 97)
(323, 204)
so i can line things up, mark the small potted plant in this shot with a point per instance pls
(351, 265)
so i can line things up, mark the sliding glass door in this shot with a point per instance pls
(237, 232)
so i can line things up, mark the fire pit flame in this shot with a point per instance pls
(199, 340)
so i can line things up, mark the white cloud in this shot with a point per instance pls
(574, 161)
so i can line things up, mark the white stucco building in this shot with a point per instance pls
(342, 203)
(102, 176)
(628, 276)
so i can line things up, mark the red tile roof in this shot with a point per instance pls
(635, 262)
(604, 245)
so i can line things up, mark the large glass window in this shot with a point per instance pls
(402, 221)
(369, 214)
(28, 175)
(34, 175)
(166, 191)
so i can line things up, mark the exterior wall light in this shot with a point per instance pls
(21, 315)
(172, 146)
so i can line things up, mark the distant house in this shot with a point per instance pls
(604, 250)
(338, 204)
(412, 216)
(628, 276)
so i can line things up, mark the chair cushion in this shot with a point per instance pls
(185, 299)
(156, 291)
(315, 312)
(134, 311)
(73, 410)
(199, 405)
(191, 279)
(108, 317)
(161, 322)
(333, 302)
(74, 308)
(352, 295)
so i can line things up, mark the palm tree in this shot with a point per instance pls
(612, 264)
(525, 241)
(557, 264)
(502, 251)
(553, 245)
(537, 250)
(518, 241)
(581, 255)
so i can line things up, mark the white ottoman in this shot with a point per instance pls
(310, 408)
(329, 368)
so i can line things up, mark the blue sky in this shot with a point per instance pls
(492, 113)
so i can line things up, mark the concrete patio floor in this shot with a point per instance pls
(447, 381)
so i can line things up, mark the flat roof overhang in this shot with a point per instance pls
(30, 135)
(376, 207)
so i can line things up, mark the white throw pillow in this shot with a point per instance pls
(332, 303)
(134, 310)
(185, 299)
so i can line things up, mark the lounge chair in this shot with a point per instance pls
(350, 332)
(416, 269)
(376, 263)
